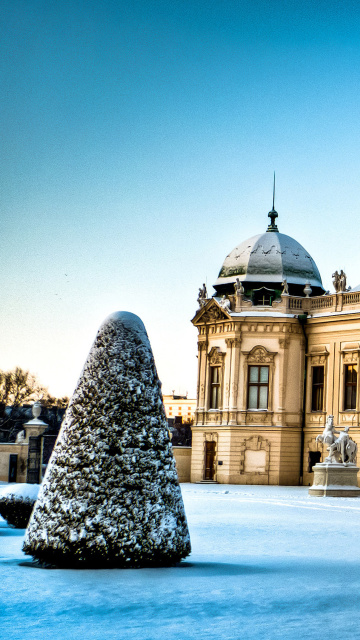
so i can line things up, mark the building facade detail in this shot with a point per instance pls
(276, 356)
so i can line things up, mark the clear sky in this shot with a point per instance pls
(138, 144)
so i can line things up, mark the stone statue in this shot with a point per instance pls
(202, 297)
(327, 436)
(339, 281)
(343, 449)
(20, 438)
(285, 286)
(225, 303)
(238, 286)
(342, 281)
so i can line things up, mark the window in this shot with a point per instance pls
(215, 388)
(314, 458)
(317, 397)
(258, 387)
(350, 386)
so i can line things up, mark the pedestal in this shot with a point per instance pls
(335, 479)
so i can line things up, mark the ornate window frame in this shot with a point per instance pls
(317, 357)
(216, 358)
(259, 355)
(349, 355)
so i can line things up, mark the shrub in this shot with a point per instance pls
(16, 510)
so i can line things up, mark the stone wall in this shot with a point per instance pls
(182, 457)
(21, 450)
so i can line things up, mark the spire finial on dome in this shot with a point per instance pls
(273, 214)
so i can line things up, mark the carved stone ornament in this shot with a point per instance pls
(202, 297)
(255, 444)
(213, 314)
(351, 356)
(216, 357)
(225, 303)
(238, 287)
(339, 281)
(341, 448)
(260, 354)
(284, 342)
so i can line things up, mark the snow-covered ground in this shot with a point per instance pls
(267, 562)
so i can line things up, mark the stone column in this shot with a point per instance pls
(234, 381)
(202, 375)
(228, 367)
(283, 344)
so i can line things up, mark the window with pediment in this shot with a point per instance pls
(216, 375)
(259, 366)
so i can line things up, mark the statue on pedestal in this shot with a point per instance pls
(225, 303)
(238, 286)
(337, 475)
(202, 297)
(342, 449)
(339, 281)
(285, 286)
(327, 436)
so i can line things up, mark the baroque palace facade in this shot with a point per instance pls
(276, 355)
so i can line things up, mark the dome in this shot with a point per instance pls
(266, 260)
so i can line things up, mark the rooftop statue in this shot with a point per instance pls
(339, 281)
(285, 286)
(238, 286)
(225, 303)
(202, 297)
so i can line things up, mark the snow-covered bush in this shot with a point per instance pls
(17, 502)
(110, 496)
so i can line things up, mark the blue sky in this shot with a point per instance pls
(138, 144)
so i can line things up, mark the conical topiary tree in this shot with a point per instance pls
(110, 496)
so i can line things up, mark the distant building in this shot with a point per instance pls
(179, 407)
(276, 355)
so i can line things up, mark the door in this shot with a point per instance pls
(33, 464)
(13, 467)
(210, 452)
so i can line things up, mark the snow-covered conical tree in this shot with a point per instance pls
(110, 496)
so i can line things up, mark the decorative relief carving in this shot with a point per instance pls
(227, 392)
(213, 314)
(350, 356)
(255, 443)
(258, 417)
(260, 354)
(216, 357)
(320, 359)
(284, 342)
(211, 437)
(202, 346)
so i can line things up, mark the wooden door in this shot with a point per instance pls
(210, 453)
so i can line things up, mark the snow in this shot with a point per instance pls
(262, 314)
(20, 490)
(267, 563)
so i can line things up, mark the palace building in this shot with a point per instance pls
(276, 355)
